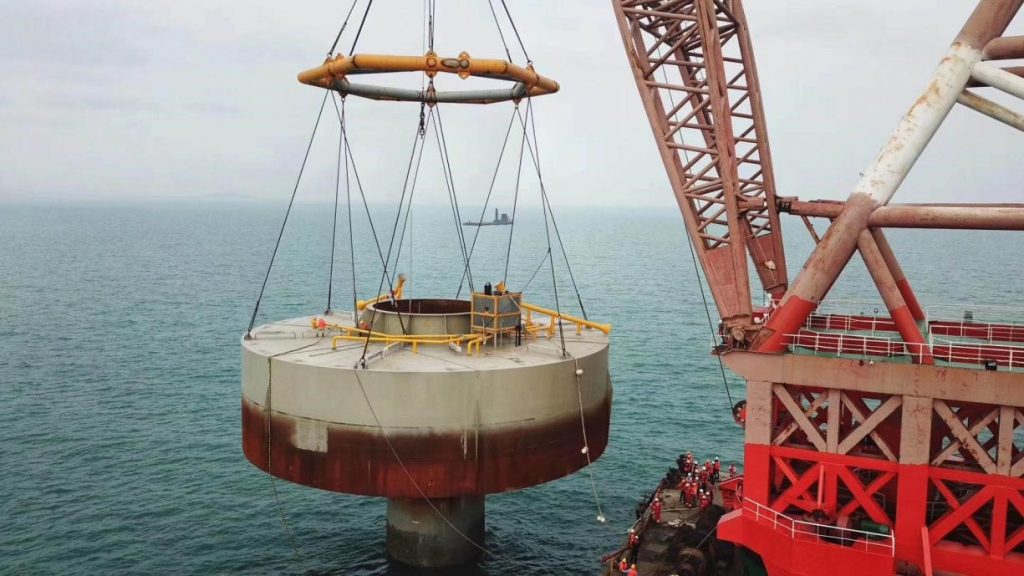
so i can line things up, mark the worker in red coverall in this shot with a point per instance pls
(656, 509)
(632, 571)
(634, 546)
(732, 470)
(716, 469)
(623, 565)
(693, 494)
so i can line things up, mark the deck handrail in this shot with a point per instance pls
(822, 533)
(954, 351)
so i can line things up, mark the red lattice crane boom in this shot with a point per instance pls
(695, 71)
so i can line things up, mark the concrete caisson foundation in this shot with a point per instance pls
(419, 536)
(436, 422)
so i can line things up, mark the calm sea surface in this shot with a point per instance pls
(119, 377)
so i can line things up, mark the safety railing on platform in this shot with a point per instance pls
(987, 324)
(985, 355)
(872, 542)
(988, 355)
(856, 344)
(850, 315)
(990, 324)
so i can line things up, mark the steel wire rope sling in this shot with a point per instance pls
(534, 150)
(526, 83)
(386, 260)
(424, 122)
(548, 212)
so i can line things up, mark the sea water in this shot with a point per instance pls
(119, 374)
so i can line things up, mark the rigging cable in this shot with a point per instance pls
(446, 167)
(501, 34)
(515, 197)
(366, 206)
(586, 445)
(417, 141)
(558, 234)
(359, 184)
(431, 8)
(252, 321)
(542, 261)
(343, 26)
(408, 211)
(359, 31)
(268, 402)
(516, 30)
(334, 227)
(534, 155)
(554, 280)
(544, 206)
(348, 211)
(394, 454)
(490, 190)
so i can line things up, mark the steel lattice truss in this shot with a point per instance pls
(694, 67)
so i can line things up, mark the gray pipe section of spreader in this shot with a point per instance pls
(345, 87)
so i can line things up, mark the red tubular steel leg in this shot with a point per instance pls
(891, 295)
(897, 273)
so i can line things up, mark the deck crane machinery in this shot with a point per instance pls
(880, 444)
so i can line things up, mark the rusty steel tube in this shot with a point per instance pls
(1006, 48)
(881, 179)
(940, 216)
(1014, 70)
(992, 109)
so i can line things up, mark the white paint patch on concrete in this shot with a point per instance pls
(310, 435)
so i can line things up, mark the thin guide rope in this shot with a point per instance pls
(280, 234)
(401, 463)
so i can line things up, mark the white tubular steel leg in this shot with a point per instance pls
(998, 78)
(915, 130)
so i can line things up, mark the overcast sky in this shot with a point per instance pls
(197, 99)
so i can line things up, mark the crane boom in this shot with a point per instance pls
(694, 68)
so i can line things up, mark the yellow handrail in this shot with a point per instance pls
(362, 304)
(473, 342)
(579, 322)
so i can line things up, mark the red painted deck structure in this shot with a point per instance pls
(875, 443)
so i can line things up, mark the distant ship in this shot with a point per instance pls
(503, 220)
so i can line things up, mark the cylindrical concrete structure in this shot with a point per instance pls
(450, 533)
(440, 422)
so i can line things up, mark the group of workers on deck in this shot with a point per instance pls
(696, 490)
(697, 487)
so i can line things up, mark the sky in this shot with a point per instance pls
(196, 100)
